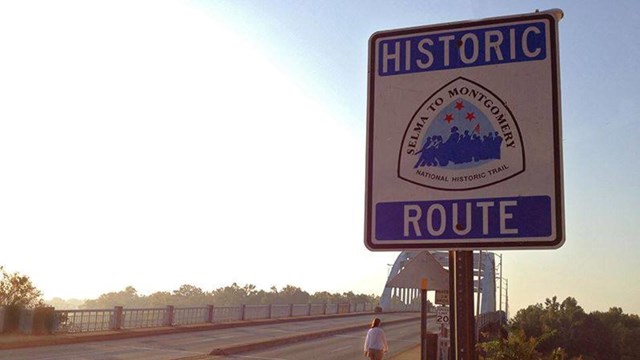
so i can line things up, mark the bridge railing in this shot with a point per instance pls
(191, 315)
(84, 320)
(73, 321)
(143, 318)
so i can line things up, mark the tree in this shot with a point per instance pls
(293, 295)
(64, 304)
(187, 290)
(570, 317)
(159, 299)
(17, 290)
(516, 347)
(529, 320)
(234, 295)
(620, 334)
(324, 297)
(190, 295)
(269, 297)
(556, 324)
(565, 331)
(594, 338)
(128, 298)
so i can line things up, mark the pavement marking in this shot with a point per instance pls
(255, 357)
(349, 336)
(282, 330)
(149, 348)
(228, 336)
(341, 348)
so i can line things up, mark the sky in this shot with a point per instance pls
(159, 143)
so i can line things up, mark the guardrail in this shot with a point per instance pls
(118, 318)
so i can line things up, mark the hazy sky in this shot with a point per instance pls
(160, 143)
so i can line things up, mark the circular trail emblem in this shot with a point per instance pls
(462, 137)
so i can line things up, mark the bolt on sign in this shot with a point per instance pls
(464, 136)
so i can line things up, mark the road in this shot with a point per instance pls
(401, 337)
(180, 345)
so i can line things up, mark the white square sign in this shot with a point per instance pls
(464, 136)
(442, 315)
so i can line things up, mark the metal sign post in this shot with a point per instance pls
(463, 341)
(443, 318)
(423, 320)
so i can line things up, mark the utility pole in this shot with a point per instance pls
(423, 319)
(479, 287)
(500, 296)
(506, 306)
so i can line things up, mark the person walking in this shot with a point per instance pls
(375, 344)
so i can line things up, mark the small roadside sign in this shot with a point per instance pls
(442, 315)
(442, 297)
(464, 136)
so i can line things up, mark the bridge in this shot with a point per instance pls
(402, 289)
(400, 302)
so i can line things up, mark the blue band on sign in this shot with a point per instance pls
(509, 217)
(460, 49)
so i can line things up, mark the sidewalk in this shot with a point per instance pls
(16, 341)
(411, 354)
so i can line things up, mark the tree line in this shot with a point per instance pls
(564, 331)
(234, 294)
(17, 290)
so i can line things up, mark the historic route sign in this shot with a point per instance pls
(464, 136)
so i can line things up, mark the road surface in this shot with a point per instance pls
(349, 346)
(180, 345)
